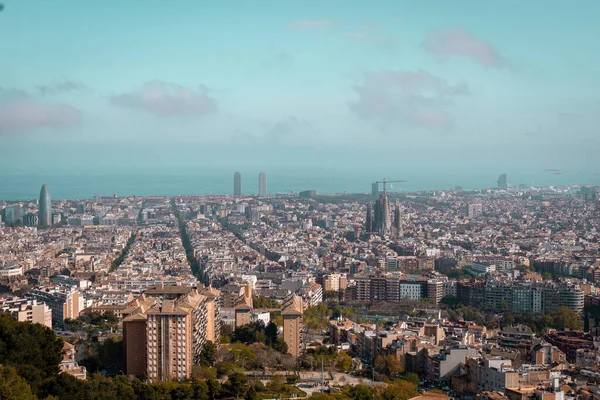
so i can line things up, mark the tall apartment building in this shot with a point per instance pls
(165, 329)
(335, 282)
(26, 310)
(262, 184)
(521, 297)
(389, 288)
(243, 307)
(435, 290)
(237, 184)
(292, 325)
(64, 301)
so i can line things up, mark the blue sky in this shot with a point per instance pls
(487, 85)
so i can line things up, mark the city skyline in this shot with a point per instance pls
(392, 84)
(394, 199)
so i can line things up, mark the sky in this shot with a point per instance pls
(384, 86)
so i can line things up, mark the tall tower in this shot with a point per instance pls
(502, 181)
(45, 212)
(237, 184)
(292, 325)
(398, 229)
(384, 213)
(369, 221)
(262, 185)
(375, 190)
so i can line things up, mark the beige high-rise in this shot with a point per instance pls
(165, 329)
(292, 325)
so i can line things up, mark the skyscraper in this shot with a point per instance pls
(398, 229)
(237, 184)
(382, 218)
(45, 212)
(385, 220)
(502, 182)
(375, 190)
(262, 185)
(369, 222)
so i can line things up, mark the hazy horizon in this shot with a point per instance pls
(393, 88)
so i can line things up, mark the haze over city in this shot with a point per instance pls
(449, 90)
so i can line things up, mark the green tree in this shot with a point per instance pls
(281, 346)
(237, 384)
(412, 378)
(388, 365)
(565, 318)
(271, 332)
(360, 392)
(322, 396)
(449, 301)
(208, 354)
(276, 384)
(264, 302)
(32, 349)
(343, 362)
(316, 317)
(12, 386)
(200, 389)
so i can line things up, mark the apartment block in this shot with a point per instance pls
(292, 325)
(165, 328)
(26, 310)
(64, 301)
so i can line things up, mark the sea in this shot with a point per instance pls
(25, 185)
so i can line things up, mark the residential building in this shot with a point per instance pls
(26, 310)
(64, 301)
(292, 325)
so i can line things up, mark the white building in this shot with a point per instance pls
(11, 270)
(411, 290)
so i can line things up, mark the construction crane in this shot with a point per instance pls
(384, 181)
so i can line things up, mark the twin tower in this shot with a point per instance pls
(262, 184)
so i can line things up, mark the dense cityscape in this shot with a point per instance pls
(282, 200)
(493, 293)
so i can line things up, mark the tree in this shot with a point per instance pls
(343, 362)
(316, 317)
(322, 396)
(226, 333)
(508, 319)
(200, 389)
(32, 349)
(276, 385)
(565, 318)
(281, 346)
(264, 302)
(12, 386)
(412, 378)
(360, 392)
(388, 365)
(449, 300)
(271, 332)
(237, 384)
(208, 355)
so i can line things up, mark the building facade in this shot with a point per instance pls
(262, 184)
(45, 210)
